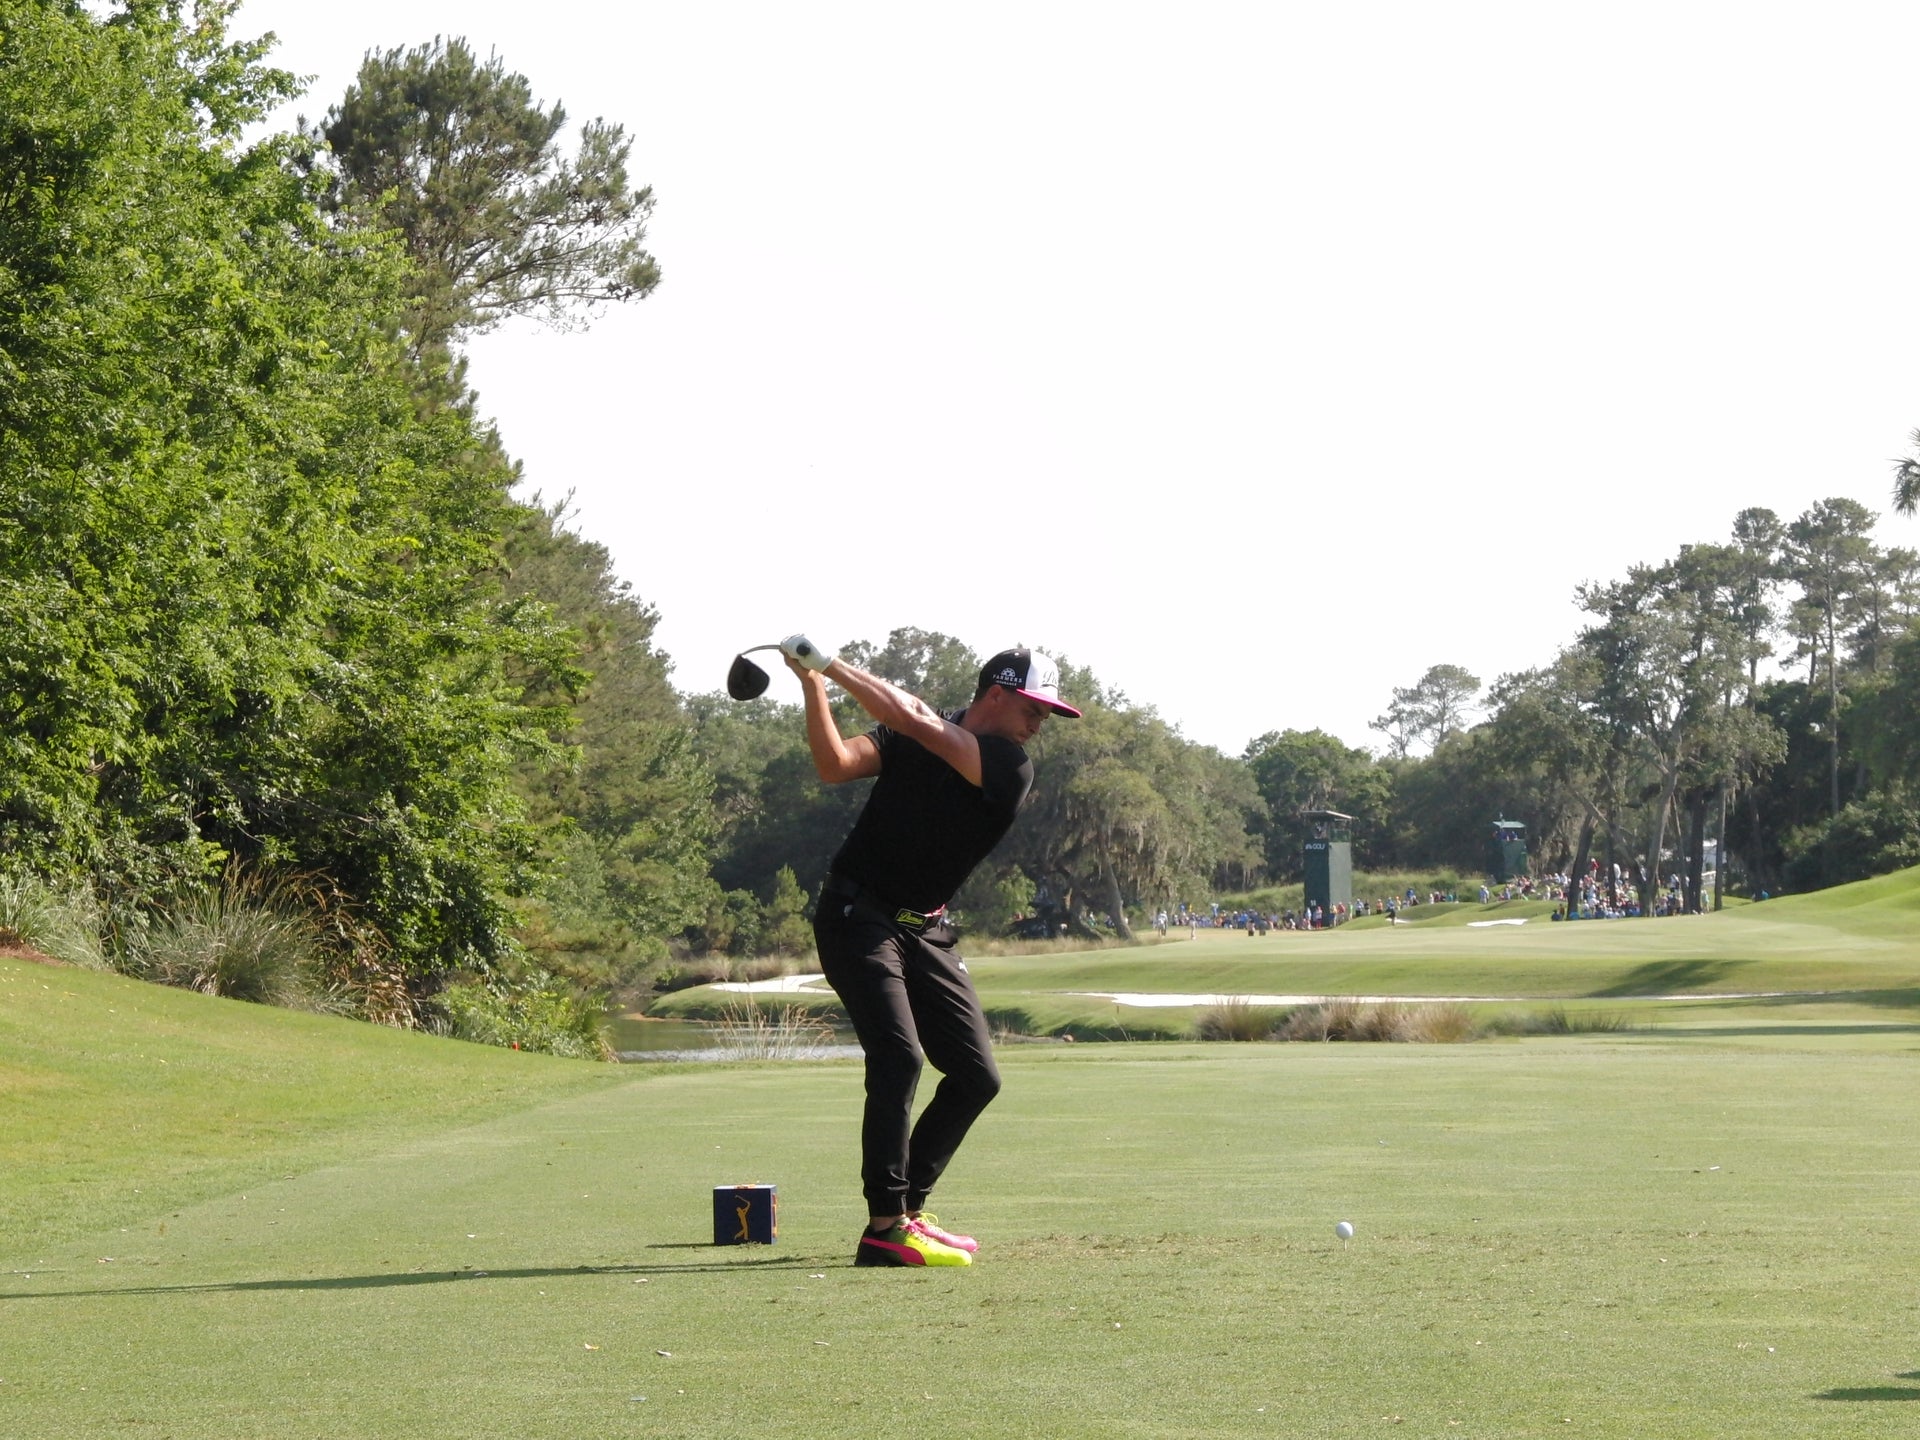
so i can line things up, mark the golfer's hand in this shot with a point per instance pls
(804, 653)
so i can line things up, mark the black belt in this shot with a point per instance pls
(873, 907)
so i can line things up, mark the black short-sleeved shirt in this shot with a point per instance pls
(925, 827)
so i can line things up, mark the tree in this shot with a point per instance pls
(1434, 707)
(1831, 555)
(456, 157)
(1906, 482)
(937, 668)
(249, 594)
(630, 782)
(1296, 770)
(1126, 810)
(1665, 654)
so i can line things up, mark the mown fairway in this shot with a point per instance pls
(1842, 956)
(1702, 1232)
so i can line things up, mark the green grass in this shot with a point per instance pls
(306, 1227)
(120, 1099)
(1635, 1235)
(1852, 949)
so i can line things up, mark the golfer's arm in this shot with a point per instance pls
(910, 716)
(836, 758)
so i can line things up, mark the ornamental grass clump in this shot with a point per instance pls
(785, 1032)
(1558, 1020)
(62, 923)
(246, 938)
(1392, 1022)
(1328, 1020)
(1238, 1019)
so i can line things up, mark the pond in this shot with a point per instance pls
(636, 1037)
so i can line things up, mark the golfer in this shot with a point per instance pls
(947, 788)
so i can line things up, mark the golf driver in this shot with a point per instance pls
(746, 680)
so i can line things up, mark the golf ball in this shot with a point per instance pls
(1344, 1229)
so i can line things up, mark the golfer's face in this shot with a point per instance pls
(1025, 717)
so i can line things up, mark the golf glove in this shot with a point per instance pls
(803, 651)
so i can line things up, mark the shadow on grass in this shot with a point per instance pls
(1880, 999)
(443, 1277)
(1872, 1392)
(1865, 1027)
(1666, 976)
(1876, 1392)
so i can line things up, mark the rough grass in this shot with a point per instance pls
(120, 1099)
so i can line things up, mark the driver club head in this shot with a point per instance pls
(746, 680)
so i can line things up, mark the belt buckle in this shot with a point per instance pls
(912, 919)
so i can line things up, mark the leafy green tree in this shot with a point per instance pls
(630, 781)
(455, 156)
(1296, 770)
(1665, 654)
(249, 599)
(1125, 810)
(938, 668)
(784, 929)
(1435, 706)
(1906, 482)
(1831, 552)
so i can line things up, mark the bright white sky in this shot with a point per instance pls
(1256, 355)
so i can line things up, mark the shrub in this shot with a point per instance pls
(1869, 837)
(537, 1012)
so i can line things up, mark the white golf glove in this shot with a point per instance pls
(803, 651)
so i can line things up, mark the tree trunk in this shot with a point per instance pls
(1578, 874)
(1116, 908)
(1833, 728)
(1720, 851)
(1651, 886)
(1696, 848)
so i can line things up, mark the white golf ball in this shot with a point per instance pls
(1344, 1229)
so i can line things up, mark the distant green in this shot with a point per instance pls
(1853, 946)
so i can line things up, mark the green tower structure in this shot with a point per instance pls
(1507, 853)
(1328, 852)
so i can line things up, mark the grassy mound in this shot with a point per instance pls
(120, 1099)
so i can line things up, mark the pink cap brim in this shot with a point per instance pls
(1059, 707)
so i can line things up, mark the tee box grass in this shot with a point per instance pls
(1621, 1236)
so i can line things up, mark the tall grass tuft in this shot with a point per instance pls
(785, 1032)
(1390, 1022)
(247, 938)
(1238, 1019)
(1558, 1020)
(1329, 1020)
(62, 923)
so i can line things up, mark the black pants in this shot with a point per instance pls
(908, 996)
